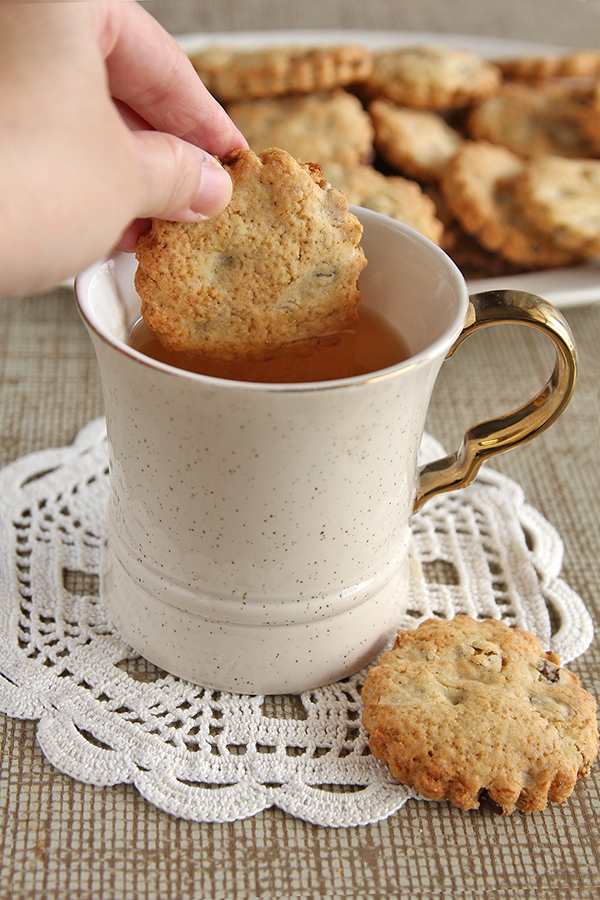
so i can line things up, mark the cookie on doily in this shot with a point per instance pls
(278, 267)
(461, 707)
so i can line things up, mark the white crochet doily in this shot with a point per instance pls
(106, 716)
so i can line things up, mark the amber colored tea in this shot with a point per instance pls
(372, 344)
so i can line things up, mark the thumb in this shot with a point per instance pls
(179, 181)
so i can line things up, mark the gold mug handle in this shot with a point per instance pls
(496, 435)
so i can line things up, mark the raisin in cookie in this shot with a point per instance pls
(278, 267)
(318, 128)
(232, 74)
(456, 708)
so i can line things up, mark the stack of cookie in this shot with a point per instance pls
(498, 162)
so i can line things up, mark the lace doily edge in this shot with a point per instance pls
(69, 751)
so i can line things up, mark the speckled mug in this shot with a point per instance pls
(258, 533)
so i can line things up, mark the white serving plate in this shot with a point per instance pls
(575, 286)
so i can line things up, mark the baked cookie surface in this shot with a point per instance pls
(459, 707)
(579, 64)
(431, 77)
(391, 195)
(470, 256)
(561, 197)
(534, 120)
(232, 74)
(279, 266)
(316, 128)
(479, 185)
(419, 142)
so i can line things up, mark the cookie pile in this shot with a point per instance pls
(462, 707)
(496, 161)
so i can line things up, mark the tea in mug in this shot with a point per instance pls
(370, 345)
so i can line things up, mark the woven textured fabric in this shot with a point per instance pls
(62, 838)
(107, 716)
(563, 22)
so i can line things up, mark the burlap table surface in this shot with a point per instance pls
(63, 839)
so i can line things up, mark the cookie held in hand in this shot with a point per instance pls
(459, 707)
(276, 269)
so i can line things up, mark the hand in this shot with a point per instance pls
(103, 124)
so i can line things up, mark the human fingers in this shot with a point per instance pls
(131, 235)
(179, 181)
(212, 194)
(149, 72)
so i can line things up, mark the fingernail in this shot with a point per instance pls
(215, 190)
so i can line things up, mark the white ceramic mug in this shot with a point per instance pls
(258, 533)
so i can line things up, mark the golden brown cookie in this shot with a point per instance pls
(579, 64)
(591, 119)
(561, 198)
(232, 74)
(394, 196)
(419, 142)
(472, 259)
(479, 186)
(430, 77)
(533, 120)
(318, 128)
(279, 266)
(461, 707)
